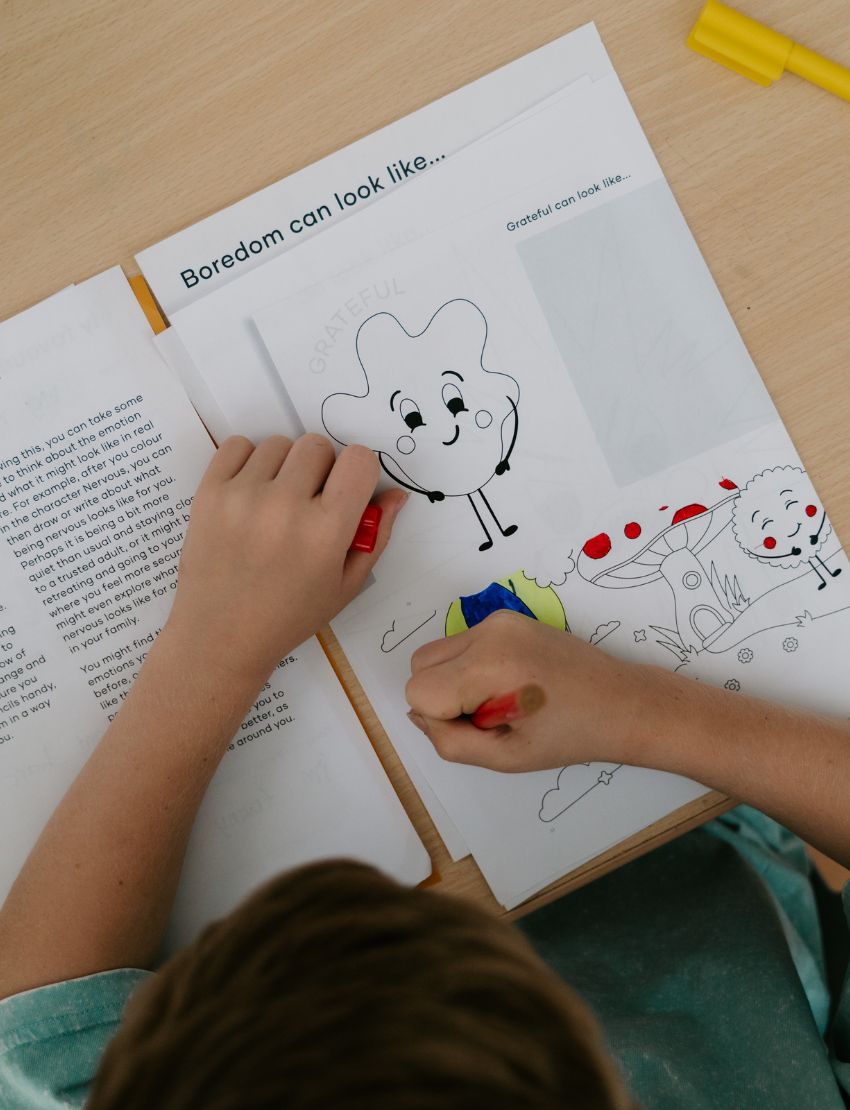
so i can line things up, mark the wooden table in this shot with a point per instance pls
(121, 123)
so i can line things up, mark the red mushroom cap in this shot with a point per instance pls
(687, 511)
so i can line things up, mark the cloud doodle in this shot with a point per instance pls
(574, 783)
(604, 630)
(403, 628)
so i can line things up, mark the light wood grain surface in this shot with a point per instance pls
(121, 123)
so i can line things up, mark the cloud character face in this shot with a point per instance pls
(429, 406)
(778, 518)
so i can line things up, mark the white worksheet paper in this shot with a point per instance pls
(101, 456)
(249, 400)
(216, 334)
(554, 374)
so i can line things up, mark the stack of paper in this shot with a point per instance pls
(101, 457)
(528, 337)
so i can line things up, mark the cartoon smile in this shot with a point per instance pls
(795, 551)
(449, 442)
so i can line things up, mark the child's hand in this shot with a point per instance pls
(592, 700)
(266, 562)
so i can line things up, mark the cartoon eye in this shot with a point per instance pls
(769, 543)
(453, 399)
(788, 504)
(410, 414)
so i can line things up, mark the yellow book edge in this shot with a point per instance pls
(148, 304)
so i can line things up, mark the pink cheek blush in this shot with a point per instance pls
(769, 543)
(811, 510)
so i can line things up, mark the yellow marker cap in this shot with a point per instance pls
(755, 51)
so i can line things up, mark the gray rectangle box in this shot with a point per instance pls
(644, 334)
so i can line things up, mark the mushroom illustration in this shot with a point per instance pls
(701, 615)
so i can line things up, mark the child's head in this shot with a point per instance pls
(334, 987)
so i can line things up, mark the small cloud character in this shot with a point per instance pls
(440, 423)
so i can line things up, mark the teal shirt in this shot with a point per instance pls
(52, 1038)
(704, 962)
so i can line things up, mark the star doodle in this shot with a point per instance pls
(640, 635)
(605, 777)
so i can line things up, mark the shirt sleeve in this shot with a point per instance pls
(52, 1038)
(839, 1041)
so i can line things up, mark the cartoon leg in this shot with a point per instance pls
(822, 585)
(488, 543)
(832, 573)
(511, 528)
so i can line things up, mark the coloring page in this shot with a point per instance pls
(586, 441)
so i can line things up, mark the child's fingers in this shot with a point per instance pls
(266, 460)
(350, 485)
(449, 689)
(440, 651)
(358, 564)
(459, 741)
(307, 465)
(228, 460)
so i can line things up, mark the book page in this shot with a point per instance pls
(557, 381)
(101, 457)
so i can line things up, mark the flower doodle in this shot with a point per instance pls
(440, 423)
(779, 521)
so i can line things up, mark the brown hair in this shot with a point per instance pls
(335, 987)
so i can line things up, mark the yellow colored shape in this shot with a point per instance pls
(760, 53)
(542, 601)
(455, 620)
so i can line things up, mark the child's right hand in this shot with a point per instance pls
(592, 700)
(791, 765)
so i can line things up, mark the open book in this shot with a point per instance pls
(101, 454)
(511, 311)
(528, 337)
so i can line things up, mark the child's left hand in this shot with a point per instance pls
(266, 562)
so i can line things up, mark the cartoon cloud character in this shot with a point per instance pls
(779, 521)
(441, 424)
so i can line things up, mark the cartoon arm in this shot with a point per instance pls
(504, 463)
(432, 495)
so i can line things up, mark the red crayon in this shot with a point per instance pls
(366, 535)
(509, 707)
